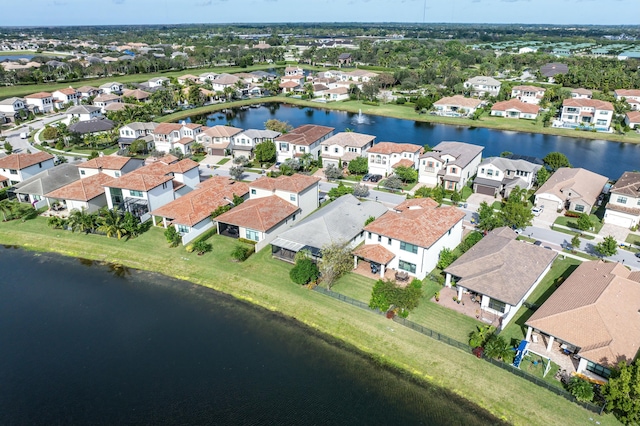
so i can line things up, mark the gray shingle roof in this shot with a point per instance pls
(49, 180)
(91, 126)
(464, 152)
(509, 164)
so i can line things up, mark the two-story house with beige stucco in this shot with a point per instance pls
(450, 164)
(623, 208)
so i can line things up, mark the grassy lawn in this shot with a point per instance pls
(535, 364)
(576, 232)
(497, 205)
(264, 281)
(633, 239)
(572, 222)
(224, 160)
(466, 192)
(560, 270)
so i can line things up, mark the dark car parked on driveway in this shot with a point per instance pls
(375, 178)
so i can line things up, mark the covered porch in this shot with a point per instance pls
(468, 304)
(228, 230)
(375, 256)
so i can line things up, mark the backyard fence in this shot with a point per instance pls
(464, 347)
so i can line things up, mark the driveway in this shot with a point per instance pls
(546, 218)
(619, 233)
(475, 199)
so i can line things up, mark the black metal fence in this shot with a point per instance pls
(463, 346)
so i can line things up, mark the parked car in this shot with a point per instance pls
(537, 210)
(366, 177)
(637, 255)
(537, 243)
(375, 178)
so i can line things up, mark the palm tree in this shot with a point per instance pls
(81, 221)
(111, 222)
(305, 160)
(6, 207)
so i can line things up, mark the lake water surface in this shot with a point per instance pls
(89, 344)
(610, 159)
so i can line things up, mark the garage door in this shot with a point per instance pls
(486, 190)
(220, 152)
(614, 219)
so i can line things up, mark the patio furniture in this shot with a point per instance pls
(402, 276)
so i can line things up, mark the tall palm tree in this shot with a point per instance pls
(6, 207)
(81, 221)
(111, 222)
(305, 160)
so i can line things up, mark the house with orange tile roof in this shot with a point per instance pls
(191, 213)
(111, 165)
(218, 140)
(632, 119)
(410, 237)
(450, 164)
(383, 156)
(297, 189)
(581, 93)
(528, 94)
(105, 100)
(178, 136)
(66, 96)
(302, 140)
(41, 102)
(345, 146)
(19, 167)
(593, 316)
(456, 106)
(500, 272)
(631, 96)
(586, 113)
(87, 194)
(515, 108)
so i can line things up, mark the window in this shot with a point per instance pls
(454, 170)
(621, 200)
(489, 172)
(408, 247)
(292, 197)
(406, 266)
(497, 173)
(482, 171)
(135, 193)
(13, 171)
(579, 207)
(497, 305)
(253, 191)
(389, 240)
(253, 235)
(82, 172)
(117, 174)
(182, 229)
(302, 149)
(369, 236)
(379, 238)
(40, 165)
(335, 150)
(598, 369)
(326, 149)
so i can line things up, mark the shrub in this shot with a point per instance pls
(202, 247)
(50, 133)
(401, 101)
(246, 241)
(446, 258)
(580, 389)
(304, 272)
(173, 237)
(361, 191)
(241, 252)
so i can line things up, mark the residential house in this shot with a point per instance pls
(587, 113)
(114, 88)
(218, 140)
(581, 93)
(83, 194)
(12, 107)
(501, 273)
(632, 119)
(514, 108)
(183, 79)
(345, 59)
(137, 94)
(623, 208)
(384, 156)
(450, 164)
(103, 101)
(631, 96)
(245, 141)
(84, 113)
(299, 190)
(571, 189)
(499, 175)
(191, 213)
(456, 106)
(336, 94)
(481, 86)
(222, 81)
(344, 147)
(552, 69)
(302, 140)
(137, 130)
(157, 82)
(411, 237)
(66, 96)
(87, 92)
(207, 76)
(291, 86)
(20, 167)
(95, 126)
(110, 165)
(40, 102)
(180, 136)
(293, 71)
(35, 189)
(150, 187)
(592, 316)
(528, 94)
(339, 222)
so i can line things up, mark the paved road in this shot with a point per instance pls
(21, 145)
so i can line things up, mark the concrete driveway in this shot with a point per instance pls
(546, 218)
(474, 200)
(618, 232)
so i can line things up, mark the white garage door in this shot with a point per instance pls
(614, 219)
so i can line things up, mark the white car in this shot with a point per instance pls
(537, 210)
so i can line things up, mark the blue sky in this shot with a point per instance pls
(114, 12)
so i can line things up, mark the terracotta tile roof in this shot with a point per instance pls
(82, 190)
(3, 178)
(167, 128)
(417, 221)
(168, 159)
(260, 214)
(106, 97)
(39, 95)
(108, 162)
(517, 105)
(394, 148)
(459, 100)
(289, 84)
(221, 131)
(118, 106)
(596, 309)
(581, 91)
(627, 92)
(405, 162)
(501, 267)
(68, 91)
(136, 93)
(581, 183)
(22, 161)
(185, 141)
(87, 89)
(633, 116)
(295, 183)
(628, 184)
(375, 253)
(588, 103)
(528, 89)
(183, 166)
(198, 204)
(306, 134)
(138, 181)
(160, 168)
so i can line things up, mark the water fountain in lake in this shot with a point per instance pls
(361, 119)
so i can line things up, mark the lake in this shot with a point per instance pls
(86, 343)
(607, 158)
(15, 57)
